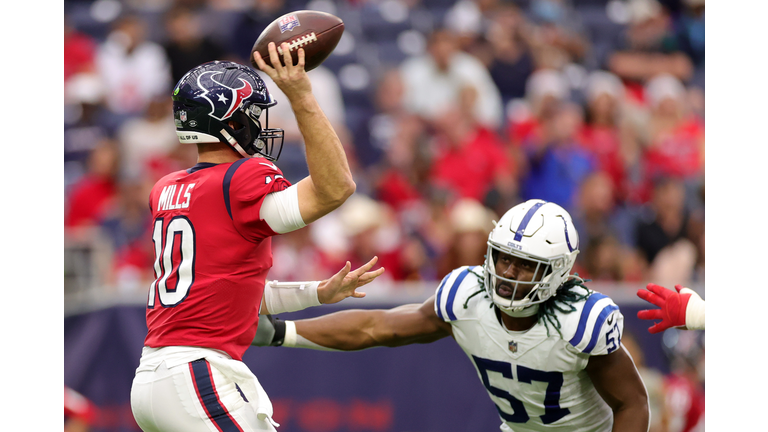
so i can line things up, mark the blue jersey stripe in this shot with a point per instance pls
(527, 218)
(598, 325)
(200, 166)
(594, 298)
(228, 180)
(452, 294)
(439, 294)
(206, 393)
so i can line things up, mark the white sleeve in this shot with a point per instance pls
(694, 313)
(280, 297)
(281, 210)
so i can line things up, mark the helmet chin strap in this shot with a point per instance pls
(524, 312)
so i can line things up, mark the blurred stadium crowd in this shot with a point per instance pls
(451, 111)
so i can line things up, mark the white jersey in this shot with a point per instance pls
(537, 381)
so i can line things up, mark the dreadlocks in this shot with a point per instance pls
(565, 295)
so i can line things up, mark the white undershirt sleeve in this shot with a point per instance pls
(281, 210)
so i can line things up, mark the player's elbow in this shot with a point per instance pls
(339, 194)
(635, 407)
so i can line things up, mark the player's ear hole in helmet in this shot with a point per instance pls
(226, 102)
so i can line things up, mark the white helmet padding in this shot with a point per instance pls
(538, 231)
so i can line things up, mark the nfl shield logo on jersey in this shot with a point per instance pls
(513, 346)
(183, 115)
(288, 23)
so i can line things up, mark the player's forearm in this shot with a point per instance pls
(329, 170)
(349, 330)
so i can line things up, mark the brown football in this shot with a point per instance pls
(316, 32)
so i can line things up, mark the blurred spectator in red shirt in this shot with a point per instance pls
(602, 134)
(675, 139)
(470, 160)
(79, 51)
(403, 173)
(545, 91)
(90, 198)
(363, 228)
(395, 147)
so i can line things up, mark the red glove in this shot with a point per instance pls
(673, 306)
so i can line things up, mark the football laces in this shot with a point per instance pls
(299, 42)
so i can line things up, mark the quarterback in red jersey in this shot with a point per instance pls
(211, 234)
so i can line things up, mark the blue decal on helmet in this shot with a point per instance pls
(567, 239)
(527, 218)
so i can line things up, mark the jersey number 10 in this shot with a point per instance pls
(174, 261)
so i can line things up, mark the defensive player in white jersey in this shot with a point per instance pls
(547, 349)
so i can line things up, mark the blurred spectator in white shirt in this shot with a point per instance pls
(437, 79)
(134, 69)
(149, 137)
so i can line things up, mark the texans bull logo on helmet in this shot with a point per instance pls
(224, 100)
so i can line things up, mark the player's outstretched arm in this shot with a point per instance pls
(617, 381)
(330, 181)
(353, 330)
(683, 308)
(282, 297)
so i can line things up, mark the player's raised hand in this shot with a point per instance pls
(344, 283)
(292, 79)
(673, 306)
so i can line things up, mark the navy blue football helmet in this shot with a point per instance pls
(211, 95)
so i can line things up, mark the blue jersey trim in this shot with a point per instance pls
(452, 294)
(527, 218)
(439, 294)
(594, 298)
(200, 166)
(598, 325)
(228, 180)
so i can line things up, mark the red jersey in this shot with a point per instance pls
(212, 254)
(470, 169)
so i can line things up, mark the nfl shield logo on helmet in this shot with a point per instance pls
(183, 115)
(513, 346)
(288, 23)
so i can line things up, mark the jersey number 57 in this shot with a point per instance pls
(552, 410)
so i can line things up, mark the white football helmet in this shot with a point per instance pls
(538, 231)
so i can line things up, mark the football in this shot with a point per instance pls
(316, 32)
